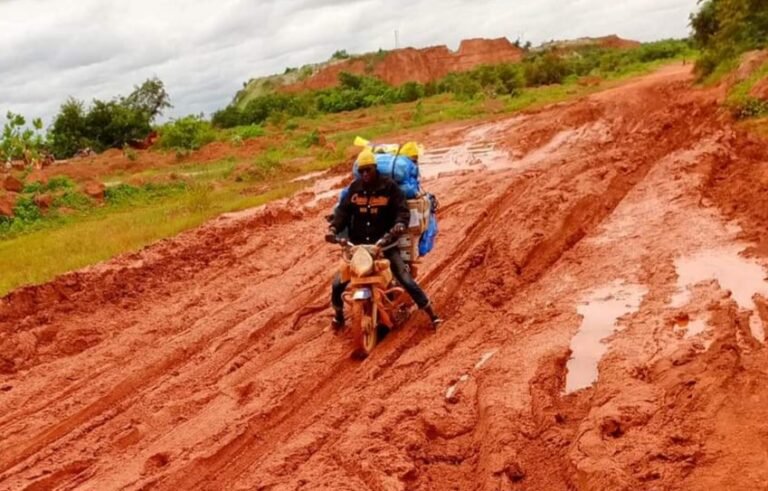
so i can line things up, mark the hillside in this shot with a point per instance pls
(412, 64)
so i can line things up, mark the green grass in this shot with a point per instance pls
(39, 256)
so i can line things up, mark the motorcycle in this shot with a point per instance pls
(377, 302)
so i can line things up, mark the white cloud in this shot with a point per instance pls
(203, 51)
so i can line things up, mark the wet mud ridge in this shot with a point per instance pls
(601, 266)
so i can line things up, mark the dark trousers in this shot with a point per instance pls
(401, 273)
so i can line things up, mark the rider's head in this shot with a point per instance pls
(411, 150)
(366, 166)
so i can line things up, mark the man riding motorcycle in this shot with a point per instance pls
(375, 210)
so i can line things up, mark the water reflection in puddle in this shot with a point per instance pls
(743, 277)
(600, 311)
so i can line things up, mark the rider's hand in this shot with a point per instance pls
(330, 237)
(398, 229)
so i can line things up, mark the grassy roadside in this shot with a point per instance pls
(39, 253)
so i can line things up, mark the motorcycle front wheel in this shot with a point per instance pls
(364, 327)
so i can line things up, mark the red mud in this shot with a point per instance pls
(206, 362)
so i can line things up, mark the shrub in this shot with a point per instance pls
(311, 139)
(130, 153)
(26, 210)
(546, 69)
(108, 124)
(340, 55)
(228, 117)
(73, 200)
(199, 197)
(69, 132)
(724, 29)
(187, 133)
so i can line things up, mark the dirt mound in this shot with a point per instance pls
(12, 184)
(595, 336)
(760, 90)
(749, 63)
(419, 65)
(7, 203)
(612, 42)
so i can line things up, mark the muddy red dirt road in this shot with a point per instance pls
(601, 269)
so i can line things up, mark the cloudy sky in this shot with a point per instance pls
(205, 50)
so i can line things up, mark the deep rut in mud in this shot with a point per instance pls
(206, 362)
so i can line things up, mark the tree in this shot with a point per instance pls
(69, 132)
(149, 98)
(108, 124)
(18, 141)
(705, 23)
(723, 29)
(113, 124)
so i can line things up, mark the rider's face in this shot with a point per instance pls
(368, 174)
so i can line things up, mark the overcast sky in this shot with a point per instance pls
(205, 50)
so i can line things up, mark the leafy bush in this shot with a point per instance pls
(26, 210)
(69, 132)
(199, 197)
(73, 200)
(749, 107)
(130, 153)
(724, 29)
(18, 141)
(249, 131)
(266, 165)
(546, 69)
(311, 139)
(187, 133)
(228, 117)
(340, 55)
(107, 124)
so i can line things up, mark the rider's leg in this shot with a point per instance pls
(337, 290)
(403, 276)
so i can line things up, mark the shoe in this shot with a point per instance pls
(337, 324)
(433, 317)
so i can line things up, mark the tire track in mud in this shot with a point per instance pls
(125, 393)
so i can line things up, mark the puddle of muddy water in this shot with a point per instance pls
(325, 188)
(743, 277)
(695, 328)
(600, 311)
(311, 175)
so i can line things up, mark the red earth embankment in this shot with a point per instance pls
(418, 65)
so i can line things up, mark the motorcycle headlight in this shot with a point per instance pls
(362, 262)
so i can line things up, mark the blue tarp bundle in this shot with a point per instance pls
(401, 169)
(427, 241)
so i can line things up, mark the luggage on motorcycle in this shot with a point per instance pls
(427, 241)
(401, 169)
(420, 209)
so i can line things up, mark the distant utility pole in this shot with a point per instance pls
(397, 40)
